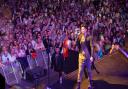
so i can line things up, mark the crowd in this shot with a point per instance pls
(39, 25)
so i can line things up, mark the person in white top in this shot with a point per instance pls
(21, 57)
(39, 45)
(13, 55)
(21, 53)
(6, 57)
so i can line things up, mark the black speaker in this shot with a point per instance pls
(71, 63)
(35, 74)
(2, 82)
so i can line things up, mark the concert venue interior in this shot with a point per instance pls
(63, 44)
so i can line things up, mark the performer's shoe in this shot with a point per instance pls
(91, 85)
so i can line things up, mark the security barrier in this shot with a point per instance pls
(12, 72)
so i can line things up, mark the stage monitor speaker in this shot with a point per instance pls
(34, 74)
(71, 63)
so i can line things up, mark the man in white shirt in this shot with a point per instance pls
(6, 57)
(21, 57)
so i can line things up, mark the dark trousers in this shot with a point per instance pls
(93, 67)
(24, 63)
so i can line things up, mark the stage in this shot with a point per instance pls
(113, 75)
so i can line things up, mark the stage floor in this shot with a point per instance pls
(113, 75)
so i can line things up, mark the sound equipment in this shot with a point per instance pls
(71, 63)
(34, 74)
(2, 82)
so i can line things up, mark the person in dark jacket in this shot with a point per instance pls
(57, 62)
(85, 56)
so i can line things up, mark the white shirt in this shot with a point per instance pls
(33, 43)
(13, 58)
(21, 53)
(6, 57)
(25, 21)
(39, 46)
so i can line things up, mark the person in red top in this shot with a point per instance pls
(66, 44)
(33, 54)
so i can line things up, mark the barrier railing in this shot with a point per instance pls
(12, 72)
(41, 60)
